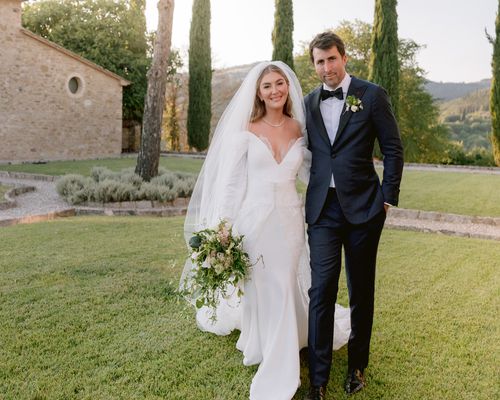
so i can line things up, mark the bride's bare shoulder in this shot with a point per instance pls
(295, 128)
(251, 127)
(256, 128)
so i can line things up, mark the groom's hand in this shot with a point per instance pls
(386, 207)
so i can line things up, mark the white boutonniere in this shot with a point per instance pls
(353, 104)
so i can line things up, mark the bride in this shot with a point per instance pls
(249, 179)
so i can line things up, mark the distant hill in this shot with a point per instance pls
(225, 83)
(452, 90)
(475, 103)
(464, 107)
(468, 118)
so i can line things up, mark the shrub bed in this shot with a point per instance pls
(105, 186)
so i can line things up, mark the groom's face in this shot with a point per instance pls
(329, 65)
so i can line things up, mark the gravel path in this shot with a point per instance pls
(44, 203)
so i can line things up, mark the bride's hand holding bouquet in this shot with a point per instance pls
(220, 266)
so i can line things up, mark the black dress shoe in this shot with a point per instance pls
(316, 393)
(354, 382)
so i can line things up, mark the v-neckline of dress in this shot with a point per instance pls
(270, 149)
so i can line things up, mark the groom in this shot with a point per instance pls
(345, 205)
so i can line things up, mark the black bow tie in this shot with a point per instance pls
(326, 94)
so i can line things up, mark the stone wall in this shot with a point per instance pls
(53, 105)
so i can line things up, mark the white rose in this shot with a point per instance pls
(354, 108)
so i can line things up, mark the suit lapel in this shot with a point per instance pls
(316, 115)
(356, 89)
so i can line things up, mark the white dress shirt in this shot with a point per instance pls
(331, 110)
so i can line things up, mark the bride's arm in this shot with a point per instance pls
(305, 168)
(233, 180)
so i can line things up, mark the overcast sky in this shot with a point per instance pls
(453, 31)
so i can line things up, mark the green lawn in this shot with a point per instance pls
(83, 167)
(452, 192)
(89, 311)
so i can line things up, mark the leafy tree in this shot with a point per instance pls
(424, 138)
(495, 91)
(200, 77)
(356, 36)
(109, 33)
(384, 64)
(305, 69)
(282, 36)
(149, 155)
(456, 155)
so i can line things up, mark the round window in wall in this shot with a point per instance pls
(75, 85)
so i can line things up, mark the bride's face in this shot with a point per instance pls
(273, 90)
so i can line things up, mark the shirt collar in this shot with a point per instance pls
(344, 84)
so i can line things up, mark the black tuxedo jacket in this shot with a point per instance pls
(350, 158)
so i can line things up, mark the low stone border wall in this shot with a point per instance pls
(38, 218)
(447, 168)
(448, 224)
(158, 212)
(138, 205)
(450, 232)
(26, 175)
(144, 208)
(10, 201)
(442, 217)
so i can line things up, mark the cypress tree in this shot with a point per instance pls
(384, 63)
(495, 91)
(200, 77)
(283, 32)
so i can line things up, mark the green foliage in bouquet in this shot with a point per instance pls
(220, 264)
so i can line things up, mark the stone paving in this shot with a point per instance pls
(43, 203)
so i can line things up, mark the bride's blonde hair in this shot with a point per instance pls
(259, 108)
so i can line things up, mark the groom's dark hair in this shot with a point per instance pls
(326, 40)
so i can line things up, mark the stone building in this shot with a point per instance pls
(54, 104)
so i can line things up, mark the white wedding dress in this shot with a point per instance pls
(272, 314)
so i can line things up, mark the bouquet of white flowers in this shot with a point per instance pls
(220, 263)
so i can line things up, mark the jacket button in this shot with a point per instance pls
(334, 155)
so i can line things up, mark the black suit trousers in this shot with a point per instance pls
(327, 236)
